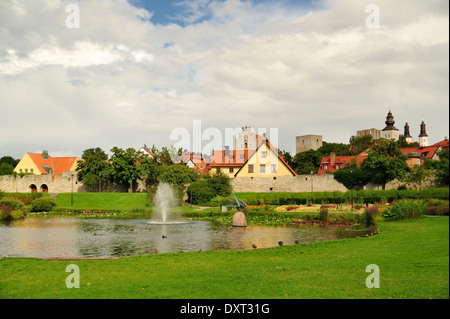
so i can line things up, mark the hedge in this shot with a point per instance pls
(364, 196)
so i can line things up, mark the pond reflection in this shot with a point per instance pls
(71, 237)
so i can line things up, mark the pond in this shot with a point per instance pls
(74, 238)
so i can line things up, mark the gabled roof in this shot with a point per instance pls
(424, 152)
(52, 165)
(264, 141)
(443, 144)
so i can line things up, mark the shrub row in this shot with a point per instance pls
(365, 196)
(405, 209)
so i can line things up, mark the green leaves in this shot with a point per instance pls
(385, 162)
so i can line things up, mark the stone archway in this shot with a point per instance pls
(33, 188)
(44, 188)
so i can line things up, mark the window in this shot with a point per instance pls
(250, 168)
(263, 154)
(262, 168)
(231, 170)
(31, 170)
(325, 166)
(20, 170)
(26, 170)
(273, 168)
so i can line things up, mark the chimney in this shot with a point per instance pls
(45, 155)
(332, 159)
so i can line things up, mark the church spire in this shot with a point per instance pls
(390, 132)
(423, 137)
(423, 131)
(407, 135)
(390, 122)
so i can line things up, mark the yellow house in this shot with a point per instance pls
(265, 162)
(42, 164)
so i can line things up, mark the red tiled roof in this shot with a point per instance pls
(58, 165)
(341, 160)
(443, 144)
(424, 152)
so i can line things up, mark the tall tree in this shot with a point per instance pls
(125, 166)
(307, 161)
(352, 176)
(93, 168)
(385, 162)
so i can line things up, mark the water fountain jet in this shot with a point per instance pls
(164, 208)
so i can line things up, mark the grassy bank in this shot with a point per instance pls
(102, 201)
(413, 257)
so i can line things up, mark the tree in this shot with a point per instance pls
(220, 184)
(94, 167)
(352, 176)
(287, 158)
(403, 143)
(385, 162)
(417, 175)
(176, 174)
(125, 168)
(6, 168)
(307, 161)
(338, 148)
(442, 167)
(360, 143)
(9, 160)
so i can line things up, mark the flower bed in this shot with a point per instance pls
(357, 208)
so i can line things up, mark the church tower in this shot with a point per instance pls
(407, 135)
(390, 132)
(423, 137)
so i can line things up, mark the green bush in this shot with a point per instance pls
(17, 214)
(323, 214)
(44, 204)
(405, 209)
(201, 192)
(12, 203)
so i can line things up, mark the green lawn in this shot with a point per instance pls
(413, 257)
(102, 201)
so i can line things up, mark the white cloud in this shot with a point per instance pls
(121, 80)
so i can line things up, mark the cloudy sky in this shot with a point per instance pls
(136, 70)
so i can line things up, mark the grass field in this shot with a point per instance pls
(102, 201)
(412, 255)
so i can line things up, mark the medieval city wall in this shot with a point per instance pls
(67, 182)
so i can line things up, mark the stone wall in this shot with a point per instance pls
(57, 183)
(299, 183)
